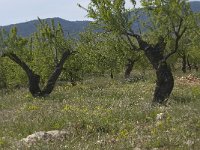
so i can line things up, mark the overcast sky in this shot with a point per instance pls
(16, 11)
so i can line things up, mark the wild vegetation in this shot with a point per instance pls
(103, 113)
(98, 87)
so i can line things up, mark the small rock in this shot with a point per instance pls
(160, 116)
(34, 137)
(44, 136)
(190, 142)
(58, 135)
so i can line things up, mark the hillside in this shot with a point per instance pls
(195, 5)
(70, 27)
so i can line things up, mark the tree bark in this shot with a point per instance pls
(184, 63)
(129, 68)
(188, 63)
(164, 83)
(34, 79)
(111, 74)
(72, 78)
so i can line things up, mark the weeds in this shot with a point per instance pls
(103, 114)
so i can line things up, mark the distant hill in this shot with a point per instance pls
(72, 27)
(69, 27)
(195, 6)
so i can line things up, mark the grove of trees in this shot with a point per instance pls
(168, 34)
(166, 24)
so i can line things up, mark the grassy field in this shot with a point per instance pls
(101, 113)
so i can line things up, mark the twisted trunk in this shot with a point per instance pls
(165, 80)
(34, 79)
(164, 83)
(164, 77)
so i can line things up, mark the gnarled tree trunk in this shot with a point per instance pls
(165, 80)
(164, 83)
(34, 79)
(164, 77)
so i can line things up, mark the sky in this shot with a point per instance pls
(17, 11)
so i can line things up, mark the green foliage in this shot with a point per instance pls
(11, 74)
(41, 52)
(167, 19)
(111, 15)
(3, 83)
(46, 47)
(100, 52)
(101, 113)
(104, 52)
(194, 38)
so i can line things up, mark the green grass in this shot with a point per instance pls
(101, 113)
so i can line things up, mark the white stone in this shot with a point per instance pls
(160, 116)
(45, 136)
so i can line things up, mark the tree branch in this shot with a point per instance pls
(131, 43)
(53, 78)
(142, 44)
(178, 37)
(21, 63)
